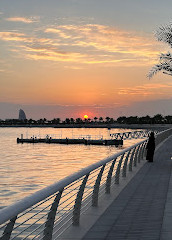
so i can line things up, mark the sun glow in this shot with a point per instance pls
(85, 116)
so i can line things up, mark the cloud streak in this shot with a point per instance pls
(105, 38)
(23, 19)
(14, 36)
(86, 44)
(147, 90)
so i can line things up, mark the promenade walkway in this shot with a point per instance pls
(143, 209)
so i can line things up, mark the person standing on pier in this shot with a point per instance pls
(150, 147)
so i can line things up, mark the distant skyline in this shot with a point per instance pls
(163, 106)
(74, 57)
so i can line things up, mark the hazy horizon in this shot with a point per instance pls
(151, 108)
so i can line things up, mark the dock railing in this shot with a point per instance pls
(47, 213)
(134, 134)
(88, 137)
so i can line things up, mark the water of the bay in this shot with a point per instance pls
(27, 168)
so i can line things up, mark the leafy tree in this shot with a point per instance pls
(163, 34)
(158, 118)
(132, 119)
(111, 120)
(72, 120)
(100, 119)
(121, 119)
(56, 121)
(67, 121)
(168, 119)
(40, 121)
(145, 120)
(30, 121)
(107, 119)
(78, 120)
(95, 119)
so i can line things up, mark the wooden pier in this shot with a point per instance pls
(105, 142)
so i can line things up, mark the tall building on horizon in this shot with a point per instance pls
(22, 115)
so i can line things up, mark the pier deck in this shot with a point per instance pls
(143, 209)
(72, 141)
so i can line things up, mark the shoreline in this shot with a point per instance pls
(131, 126)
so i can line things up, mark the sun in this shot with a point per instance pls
(85, 116)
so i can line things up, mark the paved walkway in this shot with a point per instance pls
(143, 210)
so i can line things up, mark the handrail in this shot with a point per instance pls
(133, 134)
(47, 212)
(27, 202)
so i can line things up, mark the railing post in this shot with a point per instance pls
(140, 152)
(96, 187)
(8, 230)
(144, 150)
(124, 170)
(78, 202)
(136, 156)
(118, 170)
(109, 177)
(48, 230)
(131, 160)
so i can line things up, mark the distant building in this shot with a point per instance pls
(22, 115)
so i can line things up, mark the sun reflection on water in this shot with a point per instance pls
(26, 168)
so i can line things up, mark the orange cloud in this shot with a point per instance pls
(108, 39)
(57, 31)
(147, 89)
(23, 19)
(86, 44)
(13, 36)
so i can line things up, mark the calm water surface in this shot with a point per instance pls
(27, 168)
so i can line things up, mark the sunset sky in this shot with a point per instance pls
(68, 58)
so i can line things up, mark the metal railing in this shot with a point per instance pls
(47, 213)
(133, 134)
(88, 137)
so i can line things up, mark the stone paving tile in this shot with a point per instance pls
(112, 238)
(138, 211)
(98, 228)
(91, 238)
(166, 235)
(97, 234)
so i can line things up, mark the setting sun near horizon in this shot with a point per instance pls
(85, 116)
